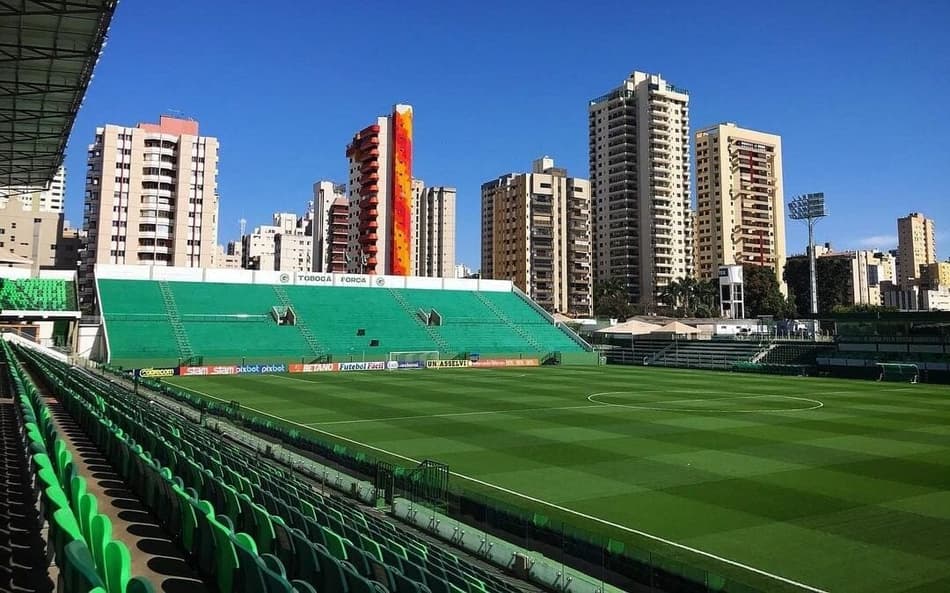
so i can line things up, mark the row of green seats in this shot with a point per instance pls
(295, 524)
(219, 552)
(37, 294)
(80, 536)
(309, 513)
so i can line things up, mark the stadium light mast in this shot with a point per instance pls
(810, 208)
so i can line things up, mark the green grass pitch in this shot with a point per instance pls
(840, 485)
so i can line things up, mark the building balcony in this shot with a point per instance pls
(368, 190)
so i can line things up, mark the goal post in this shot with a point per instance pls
(898, 371)
(414, 356)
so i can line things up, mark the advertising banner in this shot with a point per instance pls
(314, 368)
(208, 370)
(260, 369)
(506, 362)
(314, 279)
(156, 373)
(410, 364)
(376, 365)
(448, 364)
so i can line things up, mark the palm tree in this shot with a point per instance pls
(671, 294)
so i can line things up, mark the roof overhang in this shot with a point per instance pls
(48, 50)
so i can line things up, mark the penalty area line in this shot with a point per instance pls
(552, 505)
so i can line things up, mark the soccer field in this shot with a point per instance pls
(839, 485)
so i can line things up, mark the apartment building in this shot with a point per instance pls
(433, 230)
(32, 226)
(740, 217)
(336, 250)
(536, 233)
(151, 197)
(325, 196)
(380, 196)
(283, 246)
(916, 247)
(640, 182)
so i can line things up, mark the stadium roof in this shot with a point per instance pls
(48, 49)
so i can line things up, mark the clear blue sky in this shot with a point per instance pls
(859, 91)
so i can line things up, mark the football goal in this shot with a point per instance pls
(897, 371)
(414, 356)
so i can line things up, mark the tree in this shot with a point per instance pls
(689, 297)
(762, 294)
(707, 298)
(834, 282)
(611, 300)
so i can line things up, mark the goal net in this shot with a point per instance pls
(414, 356)
(896, 371)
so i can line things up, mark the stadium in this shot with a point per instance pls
(401, 433)
(202, 429)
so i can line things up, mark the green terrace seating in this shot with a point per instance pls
(230, 322)
(37, 294)
(708, 354)
(795, 353)
(245, 522)
(79, 536)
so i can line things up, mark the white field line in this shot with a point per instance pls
(552, 505)
(655, 406)
(453, 415)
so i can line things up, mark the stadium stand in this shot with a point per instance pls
(708, 354)
(37, 294)
(794, 353)
(228, 322)
(79, 536)
(248, 525)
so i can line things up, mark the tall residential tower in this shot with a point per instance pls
(640, 182)
(536, 233)
(916, 246)
(433, 231)
(151, 197)
(740, 217)
(380, 195)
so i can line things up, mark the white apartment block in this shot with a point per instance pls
(536, 233)
(151, 197)
(325, 193)
(49, 198)
(740, 216)
(640, 183)
(433, 230)
(281, 246)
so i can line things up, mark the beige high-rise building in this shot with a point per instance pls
(536, 233)
(640, 181)
(916, 246)
(325, 195)
(741, 207)
(433, 230)
(32, 226)
(151, 197)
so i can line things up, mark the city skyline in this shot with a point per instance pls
(836, 94)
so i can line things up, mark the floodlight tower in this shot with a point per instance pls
(810, 208)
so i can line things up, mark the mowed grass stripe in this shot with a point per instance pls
(873, 451)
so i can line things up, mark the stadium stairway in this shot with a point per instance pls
(316, 348)
(535, 345)
(174, 319)
(443, 345)
(248, 524)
